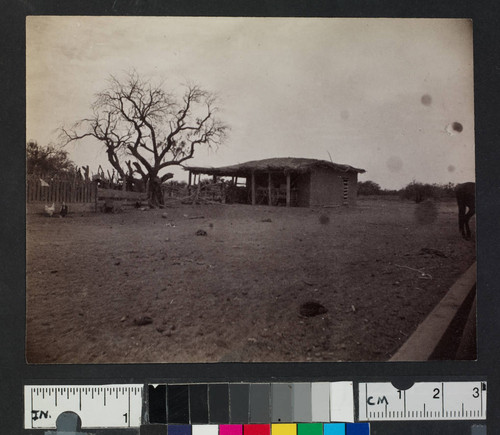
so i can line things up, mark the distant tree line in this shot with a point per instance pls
(414, 191)
(48, 161)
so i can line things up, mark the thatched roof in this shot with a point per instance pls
(281, 164)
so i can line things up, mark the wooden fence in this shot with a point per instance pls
(59, 190)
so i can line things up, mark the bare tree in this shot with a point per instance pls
(146, 130)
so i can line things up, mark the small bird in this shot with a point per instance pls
(49, 211)
(64, 210)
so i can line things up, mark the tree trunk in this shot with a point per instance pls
(155, 194)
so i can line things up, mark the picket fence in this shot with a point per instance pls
(60, 190)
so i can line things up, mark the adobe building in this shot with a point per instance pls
(289, 181)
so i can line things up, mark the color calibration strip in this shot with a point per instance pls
(317, 402)
(260, 429)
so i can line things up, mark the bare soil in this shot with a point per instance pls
(142, 286)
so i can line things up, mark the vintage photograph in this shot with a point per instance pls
(208, 189)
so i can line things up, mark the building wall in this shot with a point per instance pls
(302, 183)
(353, 187)
(327, 187)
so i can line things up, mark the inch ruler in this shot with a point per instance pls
(98, 406)
(381, 401)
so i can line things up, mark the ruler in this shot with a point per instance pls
(423, 401)
(121, 405)
(98, 406)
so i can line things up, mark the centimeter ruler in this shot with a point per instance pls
(98, 406)
(423, 401)
(120, 405)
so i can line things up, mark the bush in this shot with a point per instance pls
(47, 161)
(419, 192)
(368, 188)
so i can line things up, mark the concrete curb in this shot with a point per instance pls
(424, 341)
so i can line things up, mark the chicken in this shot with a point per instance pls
(64, 210)
(49, 211)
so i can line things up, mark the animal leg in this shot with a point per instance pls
(466, 219)
(461, 219)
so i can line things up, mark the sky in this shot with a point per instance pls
(391, 96)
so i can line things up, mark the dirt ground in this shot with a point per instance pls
(141, 286)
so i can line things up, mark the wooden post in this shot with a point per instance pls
(198, 187)
(269, 188)
(189, 183)
(253, 188)
(94, 185)
(288, 189)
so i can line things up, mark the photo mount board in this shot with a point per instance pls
(17, 373)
